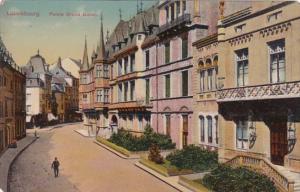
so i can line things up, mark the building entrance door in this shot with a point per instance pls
(279, 143)
(184, 130)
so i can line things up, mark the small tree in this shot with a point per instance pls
(154, 154)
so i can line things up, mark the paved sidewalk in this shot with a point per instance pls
(172, 181)
(8, 158)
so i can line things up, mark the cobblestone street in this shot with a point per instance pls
(84, 167)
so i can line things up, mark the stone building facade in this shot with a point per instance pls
(65, 93)
(12, 100)
(258, 99)
(38, 91)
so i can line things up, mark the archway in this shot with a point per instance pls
(114, 120)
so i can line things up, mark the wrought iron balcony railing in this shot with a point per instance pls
(181, 20)
(258, 92)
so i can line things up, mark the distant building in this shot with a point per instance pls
(70, 65)
(12, 100)
(38, 91)
(65, 88)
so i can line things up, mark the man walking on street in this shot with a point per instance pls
(55, 167)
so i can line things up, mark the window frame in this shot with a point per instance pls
(184, 89)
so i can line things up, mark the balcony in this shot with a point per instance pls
(259, 92)
(138, 105)
(176, 24)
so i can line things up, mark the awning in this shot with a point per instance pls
(51, 117)
(28, 119)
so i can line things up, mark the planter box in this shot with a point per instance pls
(189, 181)
(124, 153)
(164, 169)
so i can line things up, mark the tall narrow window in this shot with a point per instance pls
(98, 70)
(125, 91)
(168, 124)
(126, 65)
(202, 129)
(209, 79)
(167, 86)
(183, 6)
(147, 91)
(242, 134)
(167, 14)
(217, 129)
(177, 8)
(277, 61)
(106, 95)
(209, 129)
(120, 93)
(99, 95)
(105, 71)
(140, 119)
(147, 60)
(120, 67)
(84, 97)
(202, 80)
(132, 62)
(172, 12)
(185, 83)
(167, 52)
(184, 47)
(242, 67)
(132, 90)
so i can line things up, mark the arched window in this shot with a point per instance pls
(200, 64)
(217, 129)
(208, 62)
(209, 129)
(202, 130)
(215, 62)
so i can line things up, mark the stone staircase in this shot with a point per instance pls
(291, 175)
(284, 180)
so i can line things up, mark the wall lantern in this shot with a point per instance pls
(291, 128)
(252, 129)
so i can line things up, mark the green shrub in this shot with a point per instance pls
(194, 158)
(227, 179)
(133, 143)
(154, 154)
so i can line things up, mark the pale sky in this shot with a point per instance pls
(46, 25)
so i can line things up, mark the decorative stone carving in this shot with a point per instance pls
(270, 91)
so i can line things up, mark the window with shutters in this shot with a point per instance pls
(167, 86)
(147, 91)
(184, 83)
(167, 52)
(184, 47)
